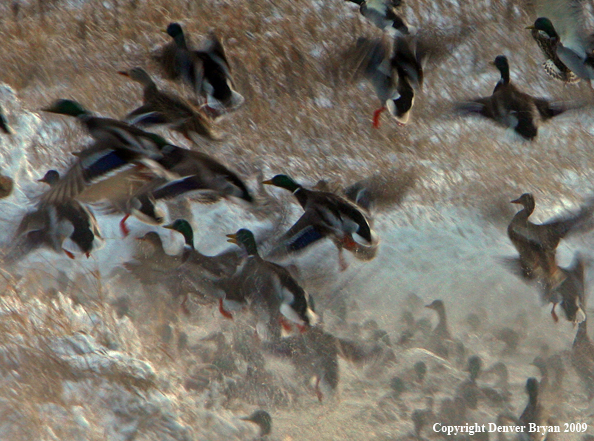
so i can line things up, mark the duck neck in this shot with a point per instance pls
(251, 249)
(581, 335)
(301, 195)
(180, 41)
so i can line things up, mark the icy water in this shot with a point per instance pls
(87, 352)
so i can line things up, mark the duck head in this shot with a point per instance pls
(139, 75)
(436, 305)
(532, 389)
(262, 419)
(283, 181)
(66, 107)
(183, 226)
(526, 200)
(502, 65)
(50, 178)
(245, 239)
(545, 25)
(175, 31)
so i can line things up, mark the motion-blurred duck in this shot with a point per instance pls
(66, 226)
(207, 71)
(509, 107)
(269, 289)
(314, 354)
(537, 245)
(327, 215)
(165, 108)
(533, 412)
(548, 40)
(382, 13)
(582, 358)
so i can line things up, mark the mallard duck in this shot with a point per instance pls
(269, 290)
(394, 68)
(314, 354)
(571, 291)
(262, 419)
(199, 176)
(186, 272)
(537, 245)
(509, 107)
(327, 215)
(582, 358)
(207, 71)
(548, 40)
(4, 123)
(66, 226)
(165, 108)
(533, 412)
(382, 13)
(114, 133)
(568, 38)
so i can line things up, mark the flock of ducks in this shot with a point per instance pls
(129, 170)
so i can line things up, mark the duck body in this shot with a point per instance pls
(165, 108)
(509, 107)
(553, 66)
(66, 226)
(537, 245)
(268, 289)
(533, 412)
(382, 13)
(394, 68)
(326, 215)
(207, 71)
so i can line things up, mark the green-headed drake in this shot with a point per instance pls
(327, 215)
(269, 290)
(509, 107)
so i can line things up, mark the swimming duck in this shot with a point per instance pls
(269, 289)
(582, 358)
(548, 40)
(327, 215)
(509, 107)
(166, 108)
(66, 226)
(4, 123)
(537, 245)
(382, 13)
(207, 71)
(395, 69)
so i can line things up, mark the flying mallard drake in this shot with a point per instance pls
(65, 226)
(207, 70)
(509, 107)
(188, 271)
(382, 13)
(395, 69)
(548, 40)
(122, 160)
(198, 176)
(269, 290)
(537, 245)
(165, 108)
(561, 29)
(327, 215)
